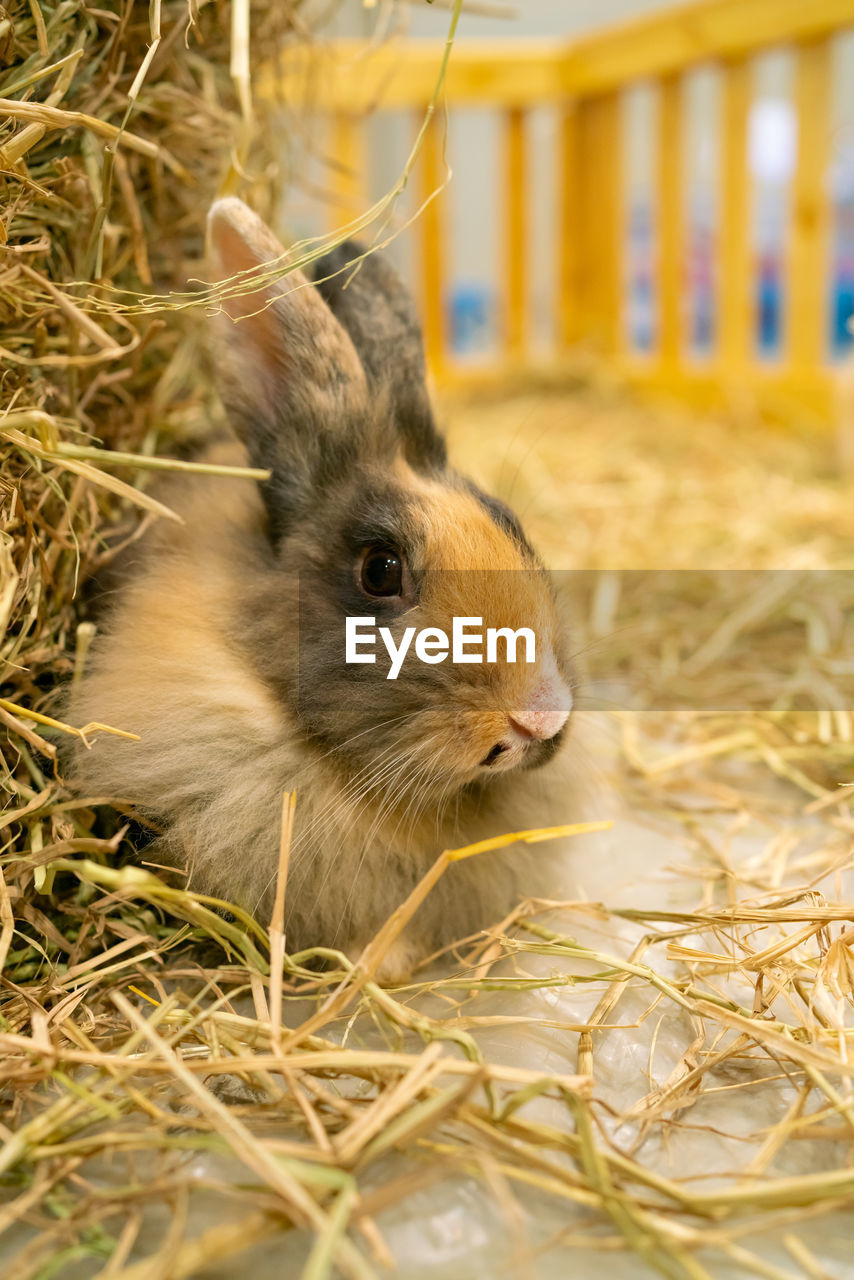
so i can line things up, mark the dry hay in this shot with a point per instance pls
(146, 1065)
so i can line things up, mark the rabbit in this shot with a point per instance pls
(222, 647)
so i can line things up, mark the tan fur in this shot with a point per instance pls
(218, 749)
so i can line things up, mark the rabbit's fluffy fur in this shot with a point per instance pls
(223, 646)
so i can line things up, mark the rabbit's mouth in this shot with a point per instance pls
(521, 749)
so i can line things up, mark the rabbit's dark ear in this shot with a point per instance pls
(375, 308)
(288, 373)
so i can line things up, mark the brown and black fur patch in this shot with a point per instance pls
(369, 300)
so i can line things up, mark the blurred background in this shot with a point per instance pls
(666, 186)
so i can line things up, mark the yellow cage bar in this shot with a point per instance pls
(583, 82)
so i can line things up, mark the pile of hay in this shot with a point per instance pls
(180, 1100)
(120, 125)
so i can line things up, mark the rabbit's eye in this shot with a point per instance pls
(382, 572)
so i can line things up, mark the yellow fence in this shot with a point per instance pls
(584, 81)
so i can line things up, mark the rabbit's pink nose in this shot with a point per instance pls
(541, 724)
(545, 712)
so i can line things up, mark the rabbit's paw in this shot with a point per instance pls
(397, 964)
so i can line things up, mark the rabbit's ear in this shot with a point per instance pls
(375, 308)
(288, 373)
